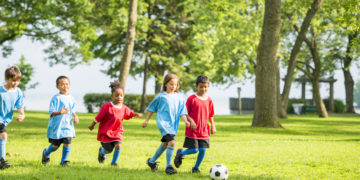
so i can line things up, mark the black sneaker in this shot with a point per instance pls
(4, 164)
(178, 158)
(65, 163)
(45, 159)
(195, 170)
(114, 164)
(170, 170)
(101, 158)
(153, 166)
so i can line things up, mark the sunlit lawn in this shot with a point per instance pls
(308, 148)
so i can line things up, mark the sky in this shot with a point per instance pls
(89, 79)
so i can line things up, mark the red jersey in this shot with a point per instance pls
(200, 111)
(110, 119)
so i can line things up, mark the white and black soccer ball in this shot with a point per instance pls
(219, 172)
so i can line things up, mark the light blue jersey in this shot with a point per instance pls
(169, 108)
(61, 126)
(8, 101)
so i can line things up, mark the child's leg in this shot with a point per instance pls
(65, 153)
(169, 152)
(3, 139)
(158, 152)
(189, 151)
(50, 149)
(116, 153)
(200, 157)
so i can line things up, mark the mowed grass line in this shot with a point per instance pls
(307, 148)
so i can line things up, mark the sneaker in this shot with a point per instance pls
(45, 159)
(178, 158)
(114, 164)
(195, 170)
(170, 170)
(4, 164)
(101, 157)
(153, 166)
(65, 163)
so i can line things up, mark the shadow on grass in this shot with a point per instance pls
(34, 170)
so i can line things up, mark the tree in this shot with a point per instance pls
(265, 114)
(129, 46)
(357, 93)
(27, 72)
(294, 54)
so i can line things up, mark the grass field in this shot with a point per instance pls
(307, 148)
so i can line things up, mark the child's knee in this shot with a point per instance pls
(67, 145)
(55, 147)
(171, 143)
(3, 135)
(117, 146)
(164, 144)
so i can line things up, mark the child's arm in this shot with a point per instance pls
(144, 124)
(139, 115)
(187, 123)
(62, 111)
(192, 122)
(213, 128)
(76, 118)
(92, 125)
(21, 116)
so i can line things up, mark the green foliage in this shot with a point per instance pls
(340, 107)
(27, 72)
(307, 148)
(93, 102)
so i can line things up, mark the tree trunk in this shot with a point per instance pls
(278, 102)
(266, 68)
(294, 54)
(349, 82)
(143, 95)
(129, 46)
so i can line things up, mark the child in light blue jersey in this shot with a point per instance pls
(10, 97)
(61, 128)
(169, 106)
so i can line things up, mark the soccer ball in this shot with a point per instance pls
(219, 172)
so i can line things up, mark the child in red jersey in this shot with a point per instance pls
(110, 118)
(200, 110)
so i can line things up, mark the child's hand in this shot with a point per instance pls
(139, 115)
(20, 118)
(213, 130)
(144, 124)
(193, 125)
(187, 124)
(91, 126)
(64, 111)
(76, 119)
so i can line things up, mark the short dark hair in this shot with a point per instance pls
(202, 79)
(13, 72)
(115, 85)
(61, 77)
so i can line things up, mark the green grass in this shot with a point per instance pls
(307, 148)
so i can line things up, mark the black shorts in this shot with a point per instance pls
(2, 128)
(168, 137)
(109, 146)
(57, 142)
(192, 143)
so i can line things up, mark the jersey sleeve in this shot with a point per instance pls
(20, 100)
(188, 104)
(73, 105)
(211, 109)
(102, 113)
(53, 105)
(128, 113)
(153, 106)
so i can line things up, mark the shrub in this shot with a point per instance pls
(93, 101)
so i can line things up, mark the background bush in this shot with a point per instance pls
(94, 101)
(339, 105)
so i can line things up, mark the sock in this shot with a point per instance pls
(2, 148)
(188, 151)
(65, 153)
(169, 153)
(200, 157)
(115, 156)
(49, 150)
(102, 151)
(157, 154)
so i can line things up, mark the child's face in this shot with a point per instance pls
(171, 85)
(118, 96)
(63, 86)
(202, 88)
(12, 83)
